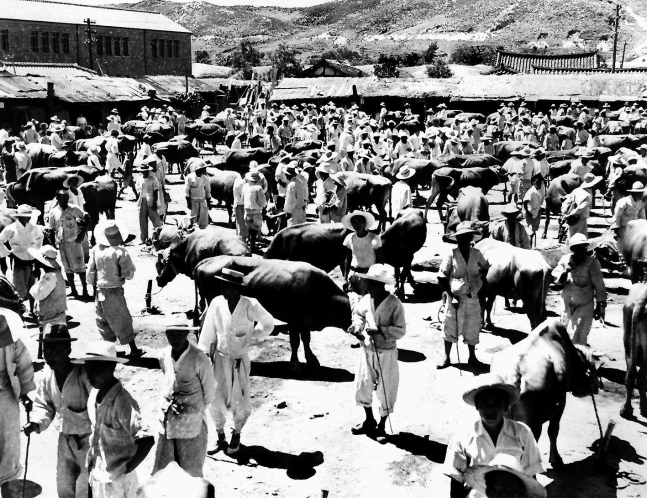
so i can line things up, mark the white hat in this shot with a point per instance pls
(637, 188)
(578, 239)
(100, 351)
(590, 180)
(491, 381)
(379, 273)
(26, 211)
(46, 255)
(370, 219)
(503, 462)
(405, 172)
(179, 322)
(110, 233)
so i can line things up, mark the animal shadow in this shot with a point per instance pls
(425, 292)
(32, 489)
(613, 374)
(419, 446)
(408, 356)
(514, 336)
(284, 370)
(297, 467)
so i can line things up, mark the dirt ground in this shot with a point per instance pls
(298, 441)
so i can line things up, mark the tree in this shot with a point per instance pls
(430, 54)
(471, 55)
(439, 69)
(285, 61)
(386, 67)
(411, 59)
(244, 57)
(202, 56)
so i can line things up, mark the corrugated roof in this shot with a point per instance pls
(200, 70)
(218, 82)
(44, 69)
(67, 13)
(523, 62)
(319, 88)
(166, 86)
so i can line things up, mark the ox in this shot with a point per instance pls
(545, 366)
(515, 273)
(424, 168)
(449, 181)
(177, 152)
(222, 188)
(471, 205)
(632, 244)
(315, 301)
(303, 146)
(184, 256)
(635, 342)
(368, 190)
(100, 197)
(235, 160)
(559, 188)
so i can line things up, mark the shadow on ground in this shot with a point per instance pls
(420, 446)
(283, 370)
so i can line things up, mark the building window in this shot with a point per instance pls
(160, 50)
(44, 41)
(34, 41)
(66, 43)
(169, 48)
(125, 51)
(108, 45)
(4, 39)
(176, 48)
(56, 45)
(117, 45)
(154, 48)
(99, 45)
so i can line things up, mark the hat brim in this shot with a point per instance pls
(405, 176)
(370, 219)
(34, 212)
(510, 390)
(232, 282)
(386, 281)
(181, 328)
(78, 178)
(475, 479)
(107, 359)
(591, 183)
(50, 340)
(101, 238)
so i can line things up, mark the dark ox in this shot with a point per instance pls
(100, 197)
(64, 158)
(40, 154)
(449, 181)
(303, 146)
(177, 152)
(515, 273)
(424, 168)
(314, 300)
(635, 343)
(615, 142)
(558, 189)
(222, 188)
(545, 366)
(183, 257)
(618, 188)
(366, 191)
(472, 206)
(235, 160)
(468, 160)
(211, 133)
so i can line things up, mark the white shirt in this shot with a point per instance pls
(401, 196)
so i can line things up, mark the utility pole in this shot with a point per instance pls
(89, 38)
(615, 37)
(622, 62)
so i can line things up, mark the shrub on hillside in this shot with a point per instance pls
(439, 69)
(471, 55)
(284, 61)
(386, 67)
(202, 56)
(244, 57)
(429, 55)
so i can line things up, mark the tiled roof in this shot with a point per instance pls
(578, 70)
(44, 69)
(67, 13)
(524, 62)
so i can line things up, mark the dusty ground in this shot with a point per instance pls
(306, 447)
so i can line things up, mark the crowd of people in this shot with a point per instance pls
(102, 433)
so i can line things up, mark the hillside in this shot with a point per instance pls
(394, 26)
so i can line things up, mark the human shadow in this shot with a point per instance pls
(297, 467)
(408, 356)
(619, 291)
(613, 374)
(419, 446)
(31, 489)
(425, 292)
(284, 370)
(514, 336)
(582, 479)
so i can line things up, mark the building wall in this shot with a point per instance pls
(140, 60)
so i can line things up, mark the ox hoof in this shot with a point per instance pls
(543, 236)
(557, 462)
(627, 412)
(295, 366)
(312, 361)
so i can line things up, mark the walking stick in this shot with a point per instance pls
(379, 366)
(24, 479)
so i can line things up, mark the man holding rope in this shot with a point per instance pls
(381, 316)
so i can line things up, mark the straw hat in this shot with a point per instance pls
(637, 188)
(578, 239)
(46, 255)
(590, 180)
(379, 273)
(78, 178)
(56, 333)
(503, 462)
(26, 211)
(465, 228)
(253, 176)
(491, 381)
(231, 276)
(325, 168)
(405, 172)
(179, 322)
(402, 133)
(100, 351)
(511, 209)
(110, 233)
(370, 219)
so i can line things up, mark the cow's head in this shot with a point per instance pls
(165, 266)
(501, 174)
(584, 378)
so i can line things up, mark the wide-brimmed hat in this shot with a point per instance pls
(402, 133)
(325, 168)
(110, 233)
(379, 273)
(78, 178)
(510, 209)
(56, 333)
(405, 172)
(328, 156)
(179, 322)
(46, 255)
(491, 381)
(465, 228)
(578, 239)
(253, 176)
(637, 188)
(100, 351)
(26, 211)
(590, 180)
(503, 462)
(370, 219)
(231, 276)
(338, 180)
(197, 164)
(443, 106)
